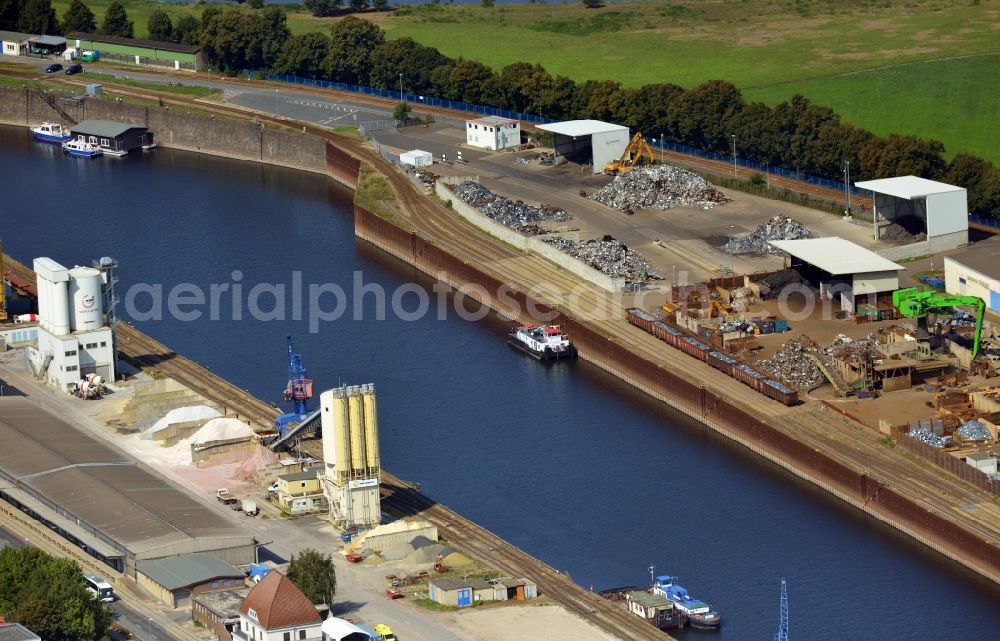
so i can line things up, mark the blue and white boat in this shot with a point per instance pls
(82, 148)
(51, 132)
(699, 613)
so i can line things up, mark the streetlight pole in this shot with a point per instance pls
(729, 234)
(767, 175)
(734, 156)
(149, 629)
(276, 102)
(847, 185)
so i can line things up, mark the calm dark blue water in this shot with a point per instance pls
(564, 461)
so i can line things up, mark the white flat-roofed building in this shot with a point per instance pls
(590, 141)
(938, 209)
(843, 270)
(493, 133)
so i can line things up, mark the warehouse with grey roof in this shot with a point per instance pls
(117, 510)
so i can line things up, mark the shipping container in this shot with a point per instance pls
(780, 325)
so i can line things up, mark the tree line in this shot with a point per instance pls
(795, 134)
(38, 17)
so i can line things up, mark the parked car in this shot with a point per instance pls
(385, 632)
(54, 67)
(72, 69)
(393, 594)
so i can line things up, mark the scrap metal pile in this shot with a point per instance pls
(610, 257)
(791, 364)
(974, 430)
(847, 349)
(756, 242)
(925, 435)
(510, 213)
(736, 325)
(659, 187)
(771, 285)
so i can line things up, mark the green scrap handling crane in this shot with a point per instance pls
(917, 304)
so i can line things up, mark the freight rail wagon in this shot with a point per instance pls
(717, 359)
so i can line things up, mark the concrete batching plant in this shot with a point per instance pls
(350, 452)
(74, 341)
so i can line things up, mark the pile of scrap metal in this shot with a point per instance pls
(659, 187)
(608, 256)
(791, 364)
(757, 242)
(974, 430)
(771, 285)
(930, 438)
(510, 213)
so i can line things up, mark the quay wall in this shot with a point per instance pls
(249, 141)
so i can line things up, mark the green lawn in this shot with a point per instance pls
(954, 101)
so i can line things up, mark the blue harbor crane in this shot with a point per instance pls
(299, 390)
(782, 633)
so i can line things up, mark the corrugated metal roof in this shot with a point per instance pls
(907, 187)
(15, 36)
(49, 40)
(187, 570)
(103, 128)
(493, 120)
(577, 128)
(451, 584)
(133, 42)
(650, 600)
(835, 255)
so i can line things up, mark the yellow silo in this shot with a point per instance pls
(371, 428)
(356, 411)
(341, 434)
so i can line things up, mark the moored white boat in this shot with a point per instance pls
(82, 148)
(51, 132)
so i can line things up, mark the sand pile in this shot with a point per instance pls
(398, 552)
(221, 429)
(252, 466)
(183, 415)
(457, 560)
(429, 553)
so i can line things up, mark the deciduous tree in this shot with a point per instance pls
(304, 55)
(404, 55)
(10, 10)
(116, 22)
(314, 574)
(186, 30)
(321, 8)
(350, 58)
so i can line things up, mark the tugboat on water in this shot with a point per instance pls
(544, 342)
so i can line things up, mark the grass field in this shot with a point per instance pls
(954, 101)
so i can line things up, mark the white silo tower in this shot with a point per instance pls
(87, 301)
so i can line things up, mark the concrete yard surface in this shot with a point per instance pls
(523, 622)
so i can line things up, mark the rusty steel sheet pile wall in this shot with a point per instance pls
(342, 166)
(942, 459)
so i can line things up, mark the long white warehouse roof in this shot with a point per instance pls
(578, 128)
(835, 255)
(908, 187)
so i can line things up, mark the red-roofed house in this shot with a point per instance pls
(276, 610)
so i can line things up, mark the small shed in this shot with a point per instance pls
(493, 133)
(937, 209)
(985, 462)
(518, 589)
(173, 580)
(115, 138)
(14, 43)
(417, 158)
(654, 608)
(454, 592)
(842, 270)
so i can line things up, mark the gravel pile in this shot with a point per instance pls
(756, 242)
(974, 430)
(791, 364)
(925, 435)
(659, 187)
(608, 256)
(510, 213)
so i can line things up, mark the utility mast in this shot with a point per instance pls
(782, 634)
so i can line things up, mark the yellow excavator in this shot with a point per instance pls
(637, 149)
